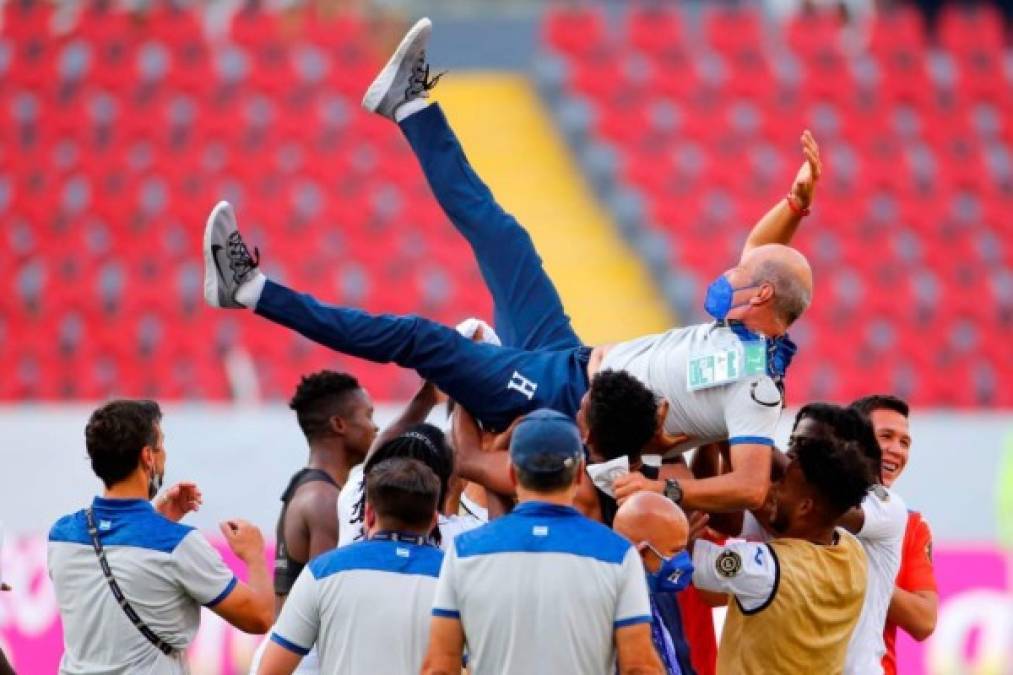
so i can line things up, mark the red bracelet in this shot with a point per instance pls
(795, 207)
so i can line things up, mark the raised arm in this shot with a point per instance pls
(779, 224)
(491, 470)
(415, 412)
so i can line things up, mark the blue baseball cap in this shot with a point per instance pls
(545, 441)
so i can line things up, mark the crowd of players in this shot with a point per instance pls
(555, 527)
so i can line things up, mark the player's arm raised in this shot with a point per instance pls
(779, 224)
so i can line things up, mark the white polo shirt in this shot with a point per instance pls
(165, 570)
(542, 590)
(743, 411)
(366, 606)
(882, 537)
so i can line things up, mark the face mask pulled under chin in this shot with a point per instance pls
(674, 574)
(154, 484)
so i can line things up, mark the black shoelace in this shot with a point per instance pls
(240, 260)
(418, 81)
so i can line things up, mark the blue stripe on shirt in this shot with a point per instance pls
(751, 440)
(224, 594)
(291, 646)
(397, 557)
(446, 613)
(632, 621)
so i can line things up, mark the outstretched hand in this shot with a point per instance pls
(809, 174)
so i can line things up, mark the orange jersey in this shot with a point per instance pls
(915, 575)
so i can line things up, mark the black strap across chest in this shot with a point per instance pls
(121, 599)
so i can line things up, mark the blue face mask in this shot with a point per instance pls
(674, 574)
(718, 301)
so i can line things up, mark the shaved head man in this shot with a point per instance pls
(655, 525)
(659, 530)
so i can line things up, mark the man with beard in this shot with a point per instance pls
(797, 599)
(129, 579)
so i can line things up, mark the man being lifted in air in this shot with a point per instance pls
(716, 381)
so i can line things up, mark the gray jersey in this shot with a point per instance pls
(366, 607)
(542, 590)
(743, 411)
(166, 571)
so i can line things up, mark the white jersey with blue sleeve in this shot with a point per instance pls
(542, 566)
(166, 570)
(366, 607)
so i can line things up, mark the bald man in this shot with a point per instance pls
(660, 532)
(721, 380)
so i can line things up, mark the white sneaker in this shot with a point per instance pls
(406, 75)
(227, 261)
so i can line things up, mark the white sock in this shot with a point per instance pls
(409, 108)
(248, 293)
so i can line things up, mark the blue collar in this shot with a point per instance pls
(122, 505)
(535, 508)
(780, 350)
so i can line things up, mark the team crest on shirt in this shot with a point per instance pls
(728, 564)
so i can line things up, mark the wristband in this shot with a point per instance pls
(795, 208)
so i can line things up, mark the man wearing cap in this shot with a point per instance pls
(543, 589)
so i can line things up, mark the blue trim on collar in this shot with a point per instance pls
(379, 556)
(122, 522)
(534, 528)
(536, 508)
(121, 504)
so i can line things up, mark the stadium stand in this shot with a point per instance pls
(121, 130)
(911, 233)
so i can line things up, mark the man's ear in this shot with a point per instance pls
(765, 295)
(148, 458)
(513, 477)
(337, 425)
(369, 518)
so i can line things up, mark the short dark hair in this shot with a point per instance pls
(319, 397)
(868, 404)
(403, 491)
(847, 424)
(547, 482)
(837, 470)
(115, 435)
(422, 442)
(622, 414)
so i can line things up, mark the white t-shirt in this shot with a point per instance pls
(166, 570)
(882, 537)
(744, 411)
